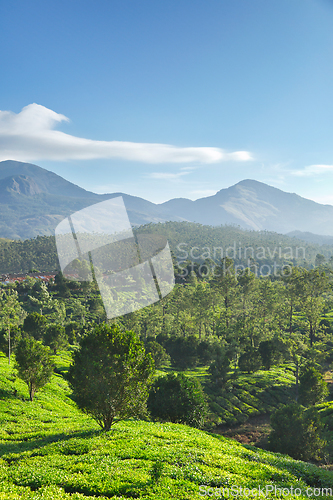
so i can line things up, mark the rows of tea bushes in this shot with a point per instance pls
(250, 395)
(51, 451)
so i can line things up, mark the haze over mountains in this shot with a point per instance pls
(34, 200)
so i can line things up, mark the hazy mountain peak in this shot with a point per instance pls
(48, 182)
(33, 200)
(20, 184)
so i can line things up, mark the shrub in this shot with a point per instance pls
(158, 353)
(250, 360)
(296, 432)
(177, 398)
(270, 352)
(312, 387)
(218, 370)
(183, 351)
(35, 325)
(208, 350)
(55, 337)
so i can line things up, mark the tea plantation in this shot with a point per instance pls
(51, 451)
(246, 394)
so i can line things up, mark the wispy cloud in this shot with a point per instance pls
(30, 136)
(312, 170)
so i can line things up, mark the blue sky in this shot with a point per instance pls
(164, 99)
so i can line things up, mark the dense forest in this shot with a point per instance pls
(188, 241)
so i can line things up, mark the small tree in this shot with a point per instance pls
(111, 375)
(33, 363)
(218, 370)
(158, 353)
(312, 387)
(177, 398)
(183, 351)
(250, 360)
(40, 297)
(296, 432)
(270, 352)
(55, 337)
(35, 325)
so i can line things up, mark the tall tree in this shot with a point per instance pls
(225, 282)
(11, 314)
(294, 284)
(315, 285)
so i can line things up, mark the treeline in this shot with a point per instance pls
(188, 242)
(250, 322)
(236, 309)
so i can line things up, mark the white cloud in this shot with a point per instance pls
(30, 136)
(312, 170)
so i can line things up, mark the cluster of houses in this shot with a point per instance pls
(5, 279)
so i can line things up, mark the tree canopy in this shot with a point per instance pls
(33, 363)
(111, 375)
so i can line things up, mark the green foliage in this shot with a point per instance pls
(55, 337)
(182, 351)
(158, 353)
(40, 252)
(110, 375)
(15, 337)
(33, 364)
(250, 360)
(52, 451)
(72, 330)
(219, 369)
(35, 325)
(177, 398)
(296, 432)
(270, 352)
(312, 388)
(248, 395)
(11, 314)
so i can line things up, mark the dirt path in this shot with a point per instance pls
(254, 431)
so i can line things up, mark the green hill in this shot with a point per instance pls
(51, 451)
(187, 240)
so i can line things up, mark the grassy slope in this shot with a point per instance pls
(51, 451)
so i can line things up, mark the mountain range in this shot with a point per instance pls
(34, 200)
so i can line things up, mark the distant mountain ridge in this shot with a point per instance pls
(34, 200)
(255, 205)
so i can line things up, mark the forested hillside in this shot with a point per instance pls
(227, 323)
(188, 242)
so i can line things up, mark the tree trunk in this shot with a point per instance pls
(296, 389)
(9, 346)
(311, 334)
(107, 422)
